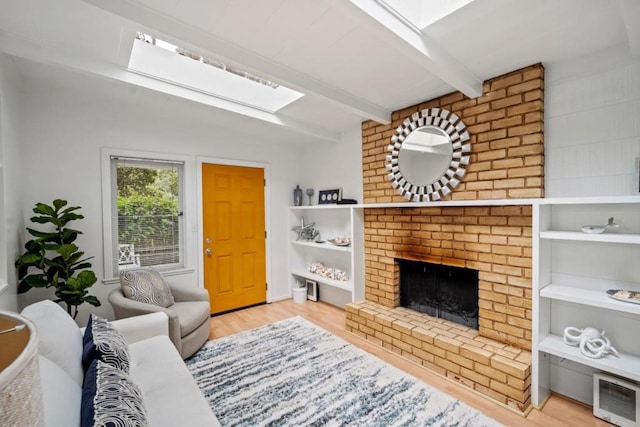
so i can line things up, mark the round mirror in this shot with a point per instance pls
(429, 155)
(425, 155)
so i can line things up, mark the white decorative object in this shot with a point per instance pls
(328, 272)
(598, 229)
(592, 342)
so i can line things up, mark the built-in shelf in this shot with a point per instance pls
(626, 366)
(326, 246)
(633, 239)
(588, 200)
(569, 289)
(589, 297)
(489, 202)
(346, 284)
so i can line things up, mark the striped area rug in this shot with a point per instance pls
(293, 373)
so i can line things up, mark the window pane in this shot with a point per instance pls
(149, 214)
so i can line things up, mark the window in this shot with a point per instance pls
(146, 214)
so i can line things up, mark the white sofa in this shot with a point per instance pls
(171, 395)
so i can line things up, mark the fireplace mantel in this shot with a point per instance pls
(483, 202)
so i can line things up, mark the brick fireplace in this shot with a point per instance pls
(507, 162)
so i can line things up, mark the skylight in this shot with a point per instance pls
(167, 62)
(422, 13)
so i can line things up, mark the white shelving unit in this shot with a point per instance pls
(572, 271)
(332, 221)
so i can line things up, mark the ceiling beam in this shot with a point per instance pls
(253, 62)
(413, 43)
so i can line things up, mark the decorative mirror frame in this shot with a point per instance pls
(455, 128)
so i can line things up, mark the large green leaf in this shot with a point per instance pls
(44, 209)
(37, 281)
(70, 209)
(51, 246)
(23, 287)
(59, 203)
(74, 258)
(68, 235)
(82, 265)
(65, 218)
(67, 250)
(22, 271)
(92, 300)
(29, 258)
(41, 235)
(83, 280)
(41, 219)
(33, 246)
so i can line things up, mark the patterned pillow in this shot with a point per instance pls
(146, 286)
(110, 398)
(102, 341)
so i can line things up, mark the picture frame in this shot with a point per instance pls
(326, 197)
(312, 290)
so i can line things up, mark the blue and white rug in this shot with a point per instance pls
(293, 373)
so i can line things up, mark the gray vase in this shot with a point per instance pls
(297, 196)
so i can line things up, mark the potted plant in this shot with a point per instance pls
(52, 260)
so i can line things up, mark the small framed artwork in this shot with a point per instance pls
(312, 290)
(329, 196)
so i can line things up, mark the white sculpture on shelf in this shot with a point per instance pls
(592, 342)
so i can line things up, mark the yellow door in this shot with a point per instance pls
(234, 236)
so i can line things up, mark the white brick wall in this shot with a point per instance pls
(592, 130)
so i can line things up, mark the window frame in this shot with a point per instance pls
(109, 208)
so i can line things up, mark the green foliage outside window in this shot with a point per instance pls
(148, 213)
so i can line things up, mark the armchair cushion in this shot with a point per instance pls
(103, 342)
(147, 286)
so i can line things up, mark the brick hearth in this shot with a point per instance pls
(497, 370)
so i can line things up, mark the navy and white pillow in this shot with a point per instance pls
(111, 399)
(102, 341)
(147, 286)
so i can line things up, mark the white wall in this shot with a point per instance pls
(334, 165)
(64, 130)
(10, 196)
(592, 126)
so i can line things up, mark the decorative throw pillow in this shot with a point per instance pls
(102, 341)
(146, 286)
(110, 398)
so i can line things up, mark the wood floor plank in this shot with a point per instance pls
(558, 411)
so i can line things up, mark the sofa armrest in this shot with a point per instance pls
(138, 328)
(183, 293)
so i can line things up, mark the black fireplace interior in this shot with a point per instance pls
(441, 291)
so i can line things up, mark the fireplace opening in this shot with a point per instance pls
(441, 291)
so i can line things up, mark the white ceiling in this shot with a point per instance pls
(350, 66)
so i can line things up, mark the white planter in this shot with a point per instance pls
(299, 295)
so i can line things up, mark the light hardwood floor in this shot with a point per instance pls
(558, 411)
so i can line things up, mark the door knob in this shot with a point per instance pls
(207, 251)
